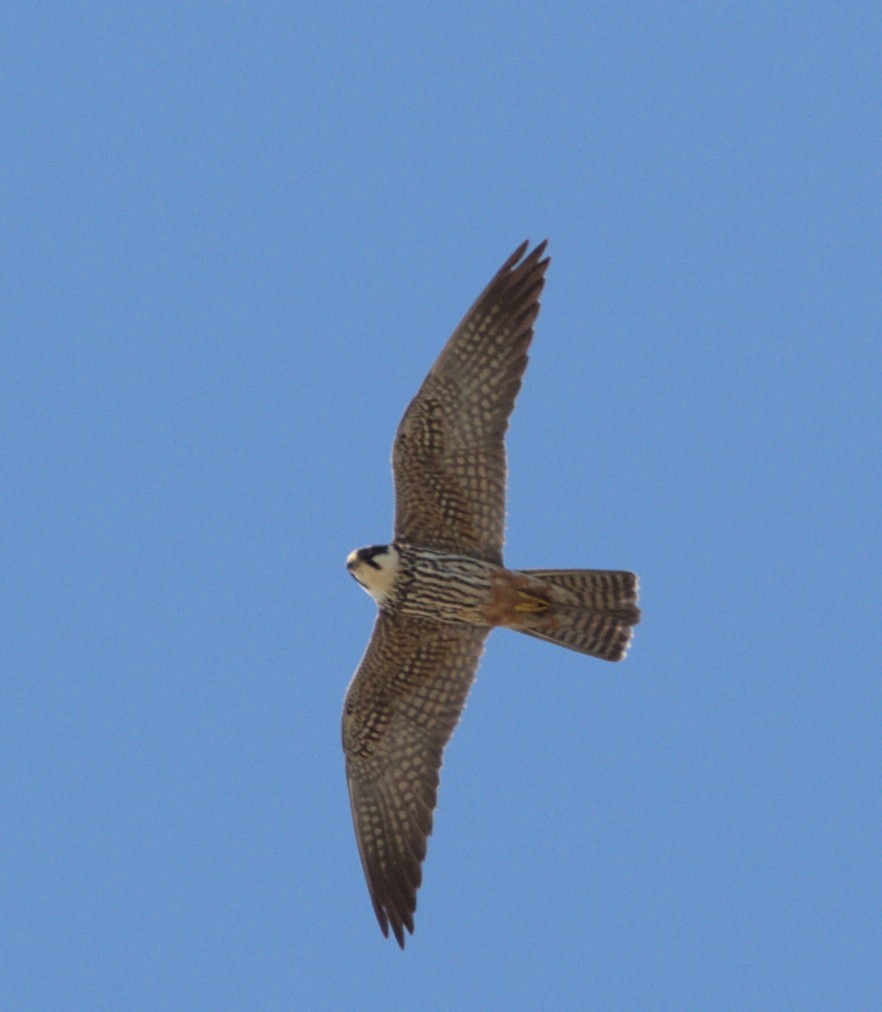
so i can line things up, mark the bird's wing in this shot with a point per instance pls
(401, 708)
(449, 456)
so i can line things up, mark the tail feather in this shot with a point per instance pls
(595, 613)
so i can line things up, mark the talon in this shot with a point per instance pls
(529, 603)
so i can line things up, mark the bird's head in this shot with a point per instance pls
(375, 569)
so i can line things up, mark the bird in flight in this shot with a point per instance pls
(441, 587)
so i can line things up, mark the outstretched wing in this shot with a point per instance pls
(449, 456)
(400, 711)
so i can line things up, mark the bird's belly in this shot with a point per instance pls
(455, 588)
(450, 588)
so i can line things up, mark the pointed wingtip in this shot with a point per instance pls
(515, 260)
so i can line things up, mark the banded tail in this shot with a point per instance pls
(593, 615)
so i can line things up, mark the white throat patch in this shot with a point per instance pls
(375, 569)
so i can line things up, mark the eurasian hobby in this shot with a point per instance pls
(441, 587)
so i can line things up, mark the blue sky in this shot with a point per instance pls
(235, 238)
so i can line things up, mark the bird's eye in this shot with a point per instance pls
(367, 555)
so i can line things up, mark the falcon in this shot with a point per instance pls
(441, 586)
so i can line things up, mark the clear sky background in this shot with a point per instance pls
(234, 240)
